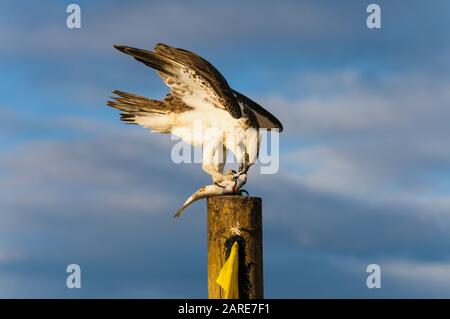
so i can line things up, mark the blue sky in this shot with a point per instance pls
(365, 156)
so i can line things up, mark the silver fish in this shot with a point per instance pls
(231, 185)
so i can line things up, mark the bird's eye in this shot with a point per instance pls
(246, 157)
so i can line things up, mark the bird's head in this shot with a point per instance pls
(251, 145)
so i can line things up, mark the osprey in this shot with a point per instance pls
(201, 109)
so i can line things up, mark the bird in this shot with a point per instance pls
(201, 109)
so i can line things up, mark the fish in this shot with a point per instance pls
(231, 185)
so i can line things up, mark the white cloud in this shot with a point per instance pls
(421, 274)
(8, 255)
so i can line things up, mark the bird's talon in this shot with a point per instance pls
(242, 191)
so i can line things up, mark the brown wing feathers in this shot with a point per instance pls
(264, 117)
(134, 105)
(207, 71)
(148, 58)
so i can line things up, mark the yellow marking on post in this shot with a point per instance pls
(228, 276)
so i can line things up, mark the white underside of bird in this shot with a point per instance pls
(202, 129)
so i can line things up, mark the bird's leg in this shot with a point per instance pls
(211, 159)
(219, 159)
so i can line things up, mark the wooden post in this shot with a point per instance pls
(229, 211)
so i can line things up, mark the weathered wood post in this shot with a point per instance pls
(225, 212)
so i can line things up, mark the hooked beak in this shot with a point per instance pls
(243, 167)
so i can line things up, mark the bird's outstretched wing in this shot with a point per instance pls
(190, 77)
(265, 118)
